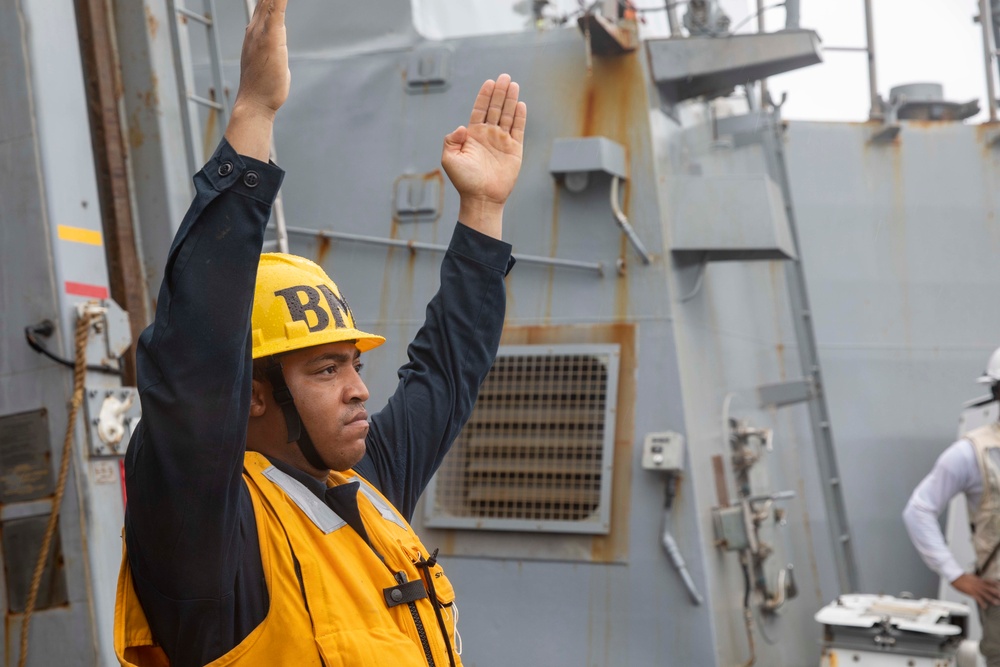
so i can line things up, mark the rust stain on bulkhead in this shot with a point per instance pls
(386, 292)
(322, 248)
(621, 305)
(405, 294)
(778, 298)
(553, 246)
(899, 241)
(985, 132)
(614, 103)
(587, 124)
(990, 156)
(153, 24)
(151, 98)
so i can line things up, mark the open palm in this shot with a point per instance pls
(483, 159)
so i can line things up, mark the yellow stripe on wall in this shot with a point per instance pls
(80, 235)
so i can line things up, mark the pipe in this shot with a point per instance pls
(280, 228)
(598, 267)
(774, 602)
(102, 67)
(675, 25)
(762, 29)
(747, 614)
(876, 103)
(624, 223)
(986, 23)
(792, 15)
(670, 545)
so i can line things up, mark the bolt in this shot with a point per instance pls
(94, 422)
(92, 393)
(109, 394)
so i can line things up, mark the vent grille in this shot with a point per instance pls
(536, 453)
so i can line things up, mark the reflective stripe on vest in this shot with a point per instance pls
(381, 505)
(318, 512)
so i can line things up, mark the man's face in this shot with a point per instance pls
(330, 397)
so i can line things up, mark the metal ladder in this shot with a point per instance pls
(217, 99)
(819, 416)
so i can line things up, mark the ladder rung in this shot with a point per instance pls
(205, 101)
(195, 16)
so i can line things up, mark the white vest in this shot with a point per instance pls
(986, 517)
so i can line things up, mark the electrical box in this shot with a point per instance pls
(730, 528)
(587, 154)
(663, 451)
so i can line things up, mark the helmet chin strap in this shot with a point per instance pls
(293, 422)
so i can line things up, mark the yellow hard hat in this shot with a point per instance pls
(296, 305)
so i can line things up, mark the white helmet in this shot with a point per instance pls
(992, 373)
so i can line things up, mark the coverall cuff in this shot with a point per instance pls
(481, 248)
(247, 176)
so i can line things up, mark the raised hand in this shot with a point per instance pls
(264, 80)
(484, 159)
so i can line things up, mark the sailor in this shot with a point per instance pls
(268, 511)
(970, 466)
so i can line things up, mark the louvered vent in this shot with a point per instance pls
(536, 453)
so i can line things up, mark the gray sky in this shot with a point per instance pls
(915, 40)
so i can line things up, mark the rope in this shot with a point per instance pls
(79, 373)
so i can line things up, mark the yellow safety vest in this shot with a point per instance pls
(357, 609)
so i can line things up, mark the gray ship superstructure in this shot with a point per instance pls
(734, 343)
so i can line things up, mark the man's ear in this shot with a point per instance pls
(258, 404)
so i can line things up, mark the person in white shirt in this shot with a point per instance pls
(971, 466)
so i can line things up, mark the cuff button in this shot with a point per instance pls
(225, 169)
(251, 179)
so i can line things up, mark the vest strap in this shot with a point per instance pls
(318, 512)
(293, 422)
(411, 591)
(426, 564)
